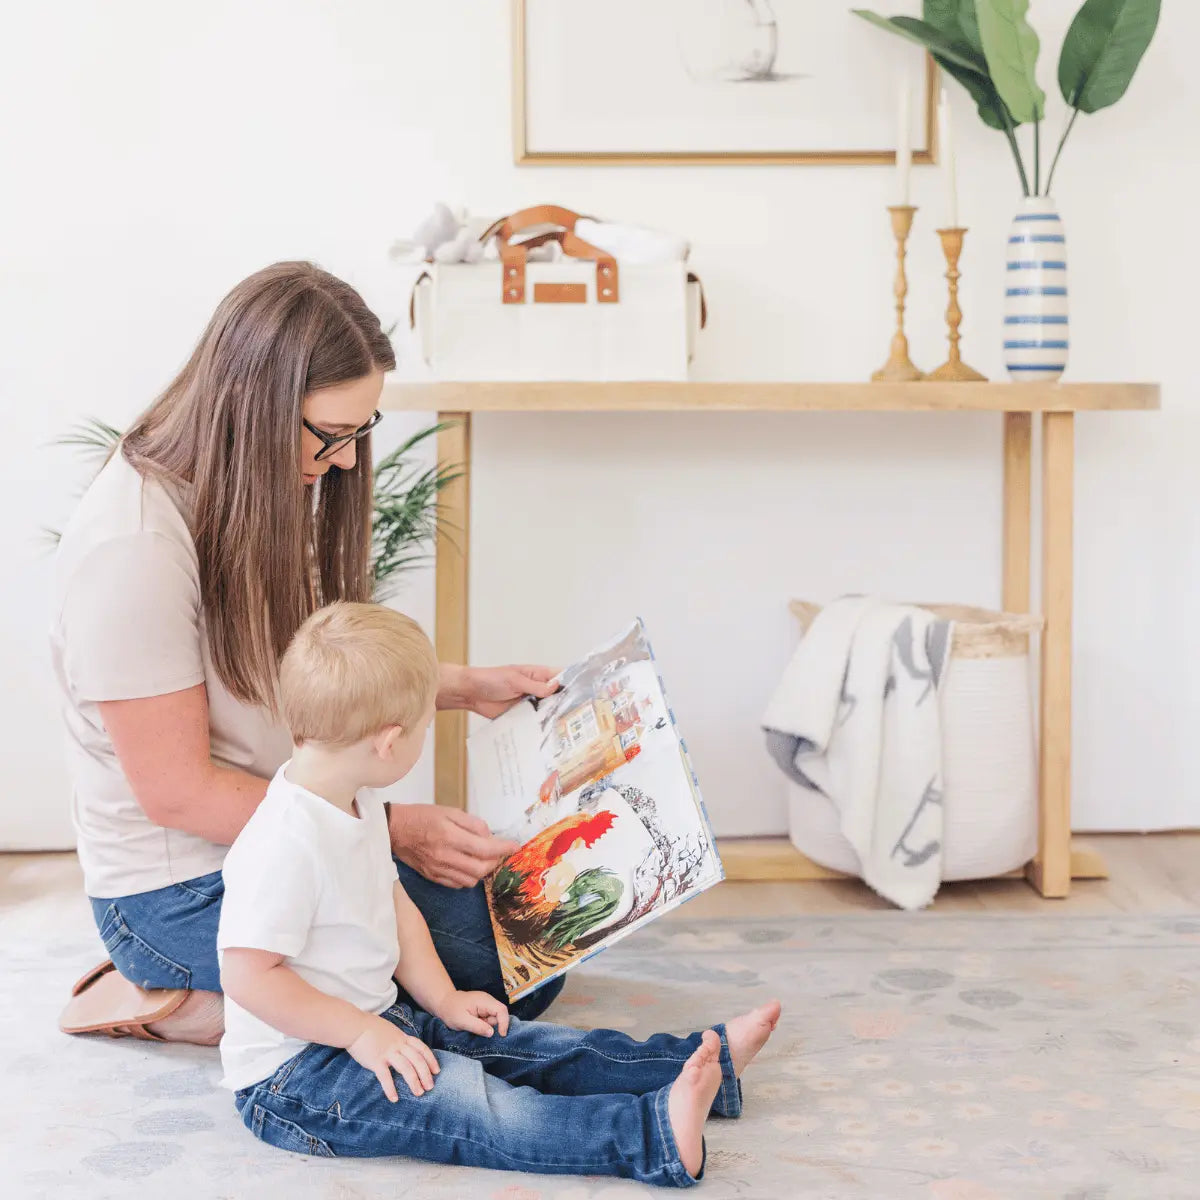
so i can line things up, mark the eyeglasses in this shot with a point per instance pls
(333, 442)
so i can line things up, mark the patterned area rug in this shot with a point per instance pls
(940, 1057)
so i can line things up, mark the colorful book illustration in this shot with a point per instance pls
(596, 785)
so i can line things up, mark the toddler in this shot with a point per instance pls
(316, 931)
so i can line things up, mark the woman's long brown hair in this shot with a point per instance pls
(229, 425)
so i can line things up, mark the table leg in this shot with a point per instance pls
(1050, 872)
(1018, 488)
(451, 579)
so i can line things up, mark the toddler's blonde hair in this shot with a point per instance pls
(354, 669)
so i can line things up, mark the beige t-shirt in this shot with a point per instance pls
(129, 623)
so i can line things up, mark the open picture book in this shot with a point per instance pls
(596, 785)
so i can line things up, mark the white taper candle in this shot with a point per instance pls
(946, 138)
(903, 143)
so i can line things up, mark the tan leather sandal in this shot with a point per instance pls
(104, 1001)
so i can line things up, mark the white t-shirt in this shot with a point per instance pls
(129, 623)
(306, 880)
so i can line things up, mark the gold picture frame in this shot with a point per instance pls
(524, 156)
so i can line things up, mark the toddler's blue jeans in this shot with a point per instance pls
(544, 1098)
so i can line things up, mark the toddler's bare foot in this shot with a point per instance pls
(748, 1034)
(691, 1097)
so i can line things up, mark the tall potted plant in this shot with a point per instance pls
(990, 48)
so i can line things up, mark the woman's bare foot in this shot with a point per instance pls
(200, 1019)
(691, 1097)
(748, 1034)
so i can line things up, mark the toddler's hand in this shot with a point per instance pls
(474, 1012)
(381, 1047)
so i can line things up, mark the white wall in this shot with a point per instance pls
(154, 154)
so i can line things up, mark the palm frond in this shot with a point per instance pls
(94, 437)
(407, 513)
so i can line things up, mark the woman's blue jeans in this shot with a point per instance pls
(543, 1098)
(168, 938)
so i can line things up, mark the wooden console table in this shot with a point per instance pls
(1055, 864)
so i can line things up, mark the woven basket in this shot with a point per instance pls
(989, 762)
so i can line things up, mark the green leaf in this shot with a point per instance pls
(930, 37)
(968, 22)
(924, 34)
(943, 16)
(1011, 49)
(405, 519)
(988, 103)
(955, 20)
(1102, 50)
(94, 437)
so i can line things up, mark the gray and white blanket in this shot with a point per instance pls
(855, 718)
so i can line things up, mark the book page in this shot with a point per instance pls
(596, 785)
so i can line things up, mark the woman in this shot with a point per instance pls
(236, 505)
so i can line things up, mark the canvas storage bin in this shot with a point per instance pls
(989, 756)
(586, 317)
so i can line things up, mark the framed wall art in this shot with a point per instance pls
(714, 82)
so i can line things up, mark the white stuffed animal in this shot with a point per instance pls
(450, 236)
(444, 236)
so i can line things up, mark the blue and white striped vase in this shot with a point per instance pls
(1036, 324)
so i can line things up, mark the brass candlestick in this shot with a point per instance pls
(899, 367)
(954, 369)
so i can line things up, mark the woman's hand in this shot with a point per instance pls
(474, 1012)
(446, 845)
(382, 1048)
(489, 691)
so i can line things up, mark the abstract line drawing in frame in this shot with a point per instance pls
(711, 83)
